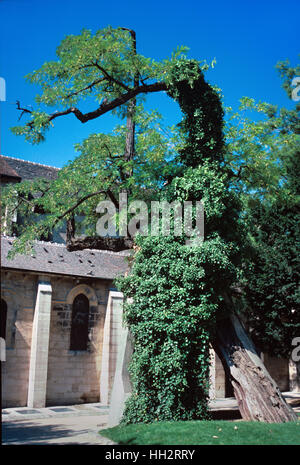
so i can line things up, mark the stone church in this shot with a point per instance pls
(61, 319)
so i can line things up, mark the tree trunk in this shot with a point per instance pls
(70, 233)
(114, 244)
(257, 394)
(130, 124)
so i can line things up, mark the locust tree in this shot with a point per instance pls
(105, 70)
(189, 301)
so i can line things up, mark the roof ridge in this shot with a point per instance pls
(31, 162)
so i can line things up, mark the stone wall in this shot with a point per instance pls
(73, 376)
(19, 292)
(279, 370)
(220, 390)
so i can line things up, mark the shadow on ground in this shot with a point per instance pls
(30, 433)
(226, 415)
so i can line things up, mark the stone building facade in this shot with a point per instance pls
(60, 315)
(61, 318)
(42, 367)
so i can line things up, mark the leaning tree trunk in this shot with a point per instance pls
(257, 394)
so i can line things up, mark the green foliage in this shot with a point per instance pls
(261, 144)
(99, 68)
(271, 278)
(168, 322)
(200, 104)
(99, 168)
(35, 131)
(263, 154)
(210, 184)
(287, 73)
(179, 291)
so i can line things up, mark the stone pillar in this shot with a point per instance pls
(294, 376)
(40, 346)
(2, 350)
(122, 387)
(111, 340)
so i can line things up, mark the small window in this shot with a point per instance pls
(80, 321)
(3, 318)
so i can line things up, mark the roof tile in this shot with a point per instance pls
(54, 258)
(28, 170)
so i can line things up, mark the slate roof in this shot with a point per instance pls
(52, 258)
(7, 170)
(27, 170)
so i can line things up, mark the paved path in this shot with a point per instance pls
(82, 430)
(80, 424)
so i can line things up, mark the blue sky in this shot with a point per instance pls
(247, 38)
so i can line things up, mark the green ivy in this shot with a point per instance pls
(177, 292)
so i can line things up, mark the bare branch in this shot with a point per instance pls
(23, 110)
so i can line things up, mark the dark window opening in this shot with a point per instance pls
(3, 316)
(80, 321)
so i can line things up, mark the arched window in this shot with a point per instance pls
(3, 317)
(80, 321)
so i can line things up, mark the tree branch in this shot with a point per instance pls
(23, 110)
(104, 108)
(110, 78)
(239, 171)
(107, 106)
(85, 88)
(86, 197)
(113, 198)
(80, 201)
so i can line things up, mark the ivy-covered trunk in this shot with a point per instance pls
(179, 292)
(257, 394)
